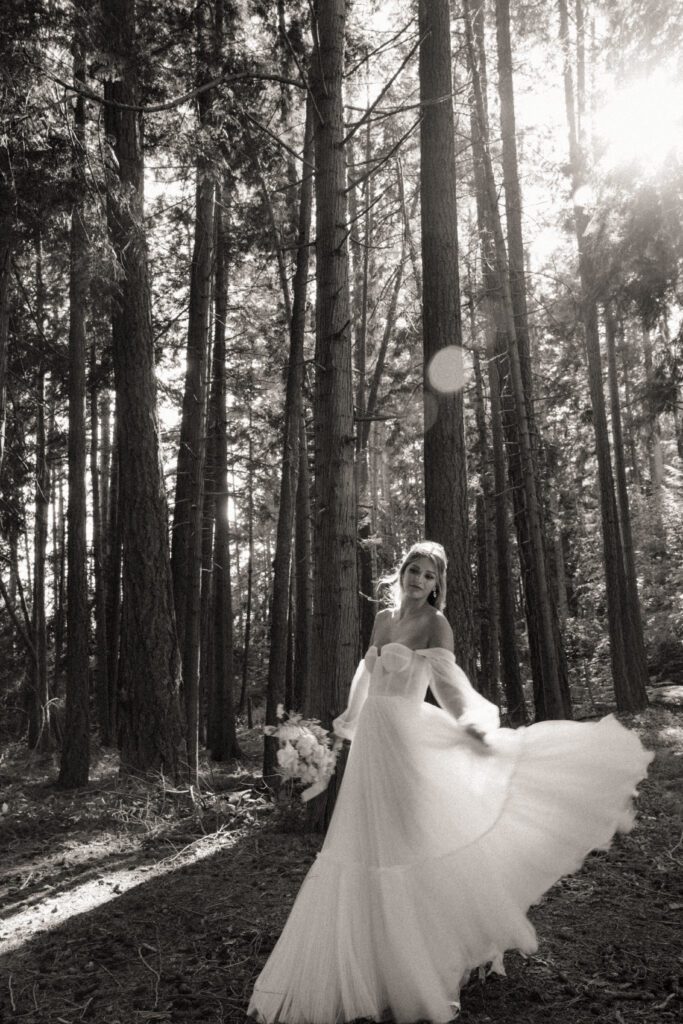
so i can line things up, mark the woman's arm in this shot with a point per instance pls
(453, 689)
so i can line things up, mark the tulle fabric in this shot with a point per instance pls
(438, 845)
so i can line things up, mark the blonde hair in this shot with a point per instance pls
(391, 585)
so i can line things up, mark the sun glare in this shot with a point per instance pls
(643, 123)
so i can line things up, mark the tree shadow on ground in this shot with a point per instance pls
(186, 946)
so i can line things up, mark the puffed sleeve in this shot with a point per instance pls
(345, 724)
(455, 693)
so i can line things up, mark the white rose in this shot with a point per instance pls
(306, 744)
(288, 759)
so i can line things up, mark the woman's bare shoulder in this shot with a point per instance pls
(382, 621)
(441, 634)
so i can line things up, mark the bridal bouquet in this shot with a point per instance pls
(307, 753)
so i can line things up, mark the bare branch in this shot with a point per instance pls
(263, 128)
(154, 108)
(406, 135)
(382, 93)
(378, 49)
(23, 635)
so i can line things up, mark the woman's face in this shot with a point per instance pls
(419, 578)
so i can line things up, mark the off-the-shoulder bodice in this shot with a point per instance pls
(397, 671)
(402, 673)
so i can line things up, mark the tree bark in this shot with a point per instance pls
(75, 760)
(626, 644)
(487, 575)
(366, 607)
(113, 579)
(445, 462)
(623, 504)
(222, 734)
(654, 438)
(59, 574)
(280, 614)
(187, 517)
(509, 656)
(336, 646)
(408, 232)
(6, 244)
(560, 570)
(39, 722)
(206, 604)
(551, 697)
(101, 681)
(624, 353)
(303, 617)
(250, 573)
(149, 664)
(518, 295)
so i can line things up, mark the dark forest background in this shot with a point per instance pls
(286, 286)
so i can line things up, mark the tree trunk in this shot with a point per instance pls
(101, 681)
(551, 696)
(59, 575)
(622, 489)
(367, 604)
(654, 438)
(445, 462)
(408, 233)
(509, 657)
(335, 651)
(626, 644)
(487, 589)
(678, 424)
(513, 201)
(206, 606)
(75, 760)
(6, 243)
(149, 666)
(303, 638)
(389, 327)
(629, 405)
(113, 580)
(560, 571)
(222, 736)
(366, 607)
(250, 574)
(516, 265)
(39, 722)
(279, 633)
(105, 465)
(289, 655)
(187, 516)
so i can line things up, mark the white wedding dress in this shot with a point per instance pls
(439, 844)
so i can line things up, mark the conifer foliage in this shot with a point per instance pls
(282, 288)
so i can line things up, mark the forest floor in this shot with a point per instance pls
(130, 904)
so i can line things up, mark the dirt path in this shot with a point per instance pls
(133, 907)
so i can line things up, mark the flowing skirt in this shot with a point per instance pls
(437, 848)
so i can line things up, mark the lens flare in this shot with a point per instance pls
(447, 372)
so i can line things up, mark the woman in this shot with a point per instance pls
(445, 831)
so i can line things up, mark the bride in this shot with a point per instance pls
(445, 831)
